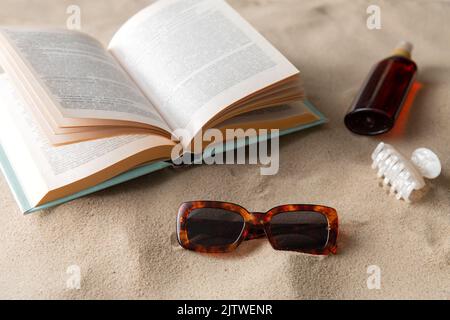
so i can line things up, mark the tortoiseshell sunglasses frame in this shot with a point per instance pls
(256, 225)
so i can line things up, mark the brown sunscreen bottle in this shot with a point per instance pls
(380, 100)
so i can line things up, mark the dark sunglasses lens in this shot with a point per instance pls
(299, 230)
(214, 227)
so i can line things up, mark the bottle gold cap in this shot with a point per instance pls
(404, 49)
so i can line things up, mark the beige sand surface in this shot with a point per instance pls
(121, 238)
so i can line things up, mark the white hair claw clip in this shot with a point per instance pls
(401, 175)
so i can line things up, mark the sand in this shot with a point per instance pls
(121, 238)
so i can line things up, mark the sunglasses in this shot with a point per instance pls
(219, 227)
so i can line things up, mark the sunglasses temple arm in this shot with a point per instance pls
(256, 229)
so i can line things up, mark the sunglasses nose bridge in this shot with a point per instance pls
(256, 228)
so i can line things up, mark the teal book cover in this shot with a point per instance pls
(26, 207)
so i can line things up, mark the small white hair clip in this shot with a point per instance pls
(402, 175)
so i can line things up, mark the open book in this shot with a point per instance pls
(75, 115)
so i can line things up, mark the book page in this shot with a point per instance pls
(282, 117)
(83, 79)
(42, 167)
(194, 58)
